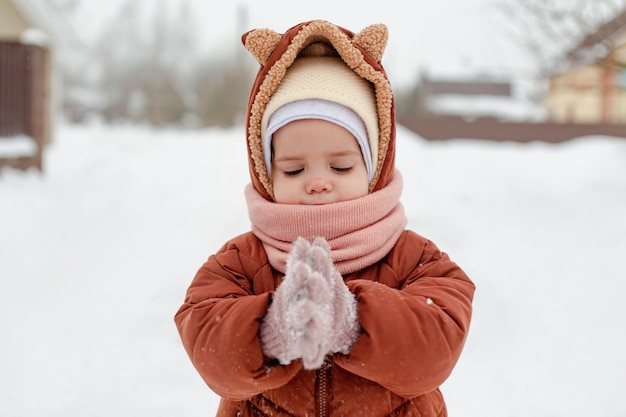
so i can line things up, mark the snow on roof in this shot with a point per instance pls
(503, 108)
(42, 14)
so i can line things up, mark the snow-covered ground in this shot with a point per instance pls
(96, 255)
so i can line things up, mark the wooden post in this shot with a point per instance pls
(24, 92)
(608, 85)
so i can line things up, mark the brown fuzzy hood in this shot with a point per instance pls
(362, 53)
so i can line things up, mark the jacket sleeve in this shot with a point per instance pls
(219, 323)
(415, 315)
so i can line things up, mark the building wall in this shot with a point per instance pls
(12, 24)
(579, 97)
(576, 96)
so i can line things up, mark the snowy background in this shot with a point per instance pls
(97, 252)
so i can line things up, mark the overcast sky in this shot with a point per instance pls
(443, 37)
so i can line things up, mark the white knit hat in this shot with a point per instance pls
(324, 79)
(318, 109)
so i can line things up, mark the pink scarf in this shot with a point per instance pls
(360, 231)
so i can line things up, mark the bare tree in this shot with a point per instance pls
(552, 29)
(149, 68)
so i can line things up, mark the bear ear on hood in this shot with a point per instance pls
(373, 40)
(261, 43)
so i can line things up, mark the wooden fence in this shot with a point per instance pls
(24, 95)
(451, 127)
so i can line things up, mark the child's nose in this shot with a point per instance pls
(318, 184)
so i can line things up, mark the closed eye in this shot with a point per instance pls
(293, 173)
(342, 170)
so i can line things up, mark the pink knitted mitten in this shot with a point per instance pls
(346, 328)
(298, 323)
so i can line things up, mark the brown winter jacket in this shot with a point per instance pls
(414, 305)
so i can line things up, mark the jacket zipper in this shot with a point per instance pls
(324, 376)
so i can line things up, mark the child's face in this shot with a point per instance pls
(316, 162)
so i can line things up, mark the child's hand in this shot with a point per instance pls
(312, 313)
(314, 316)
(298, 323)
(346, 329)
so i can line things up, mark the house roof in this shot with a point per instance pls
(468, 87)
(44, 16)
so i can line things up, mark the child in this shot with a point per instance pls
(328, 306)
